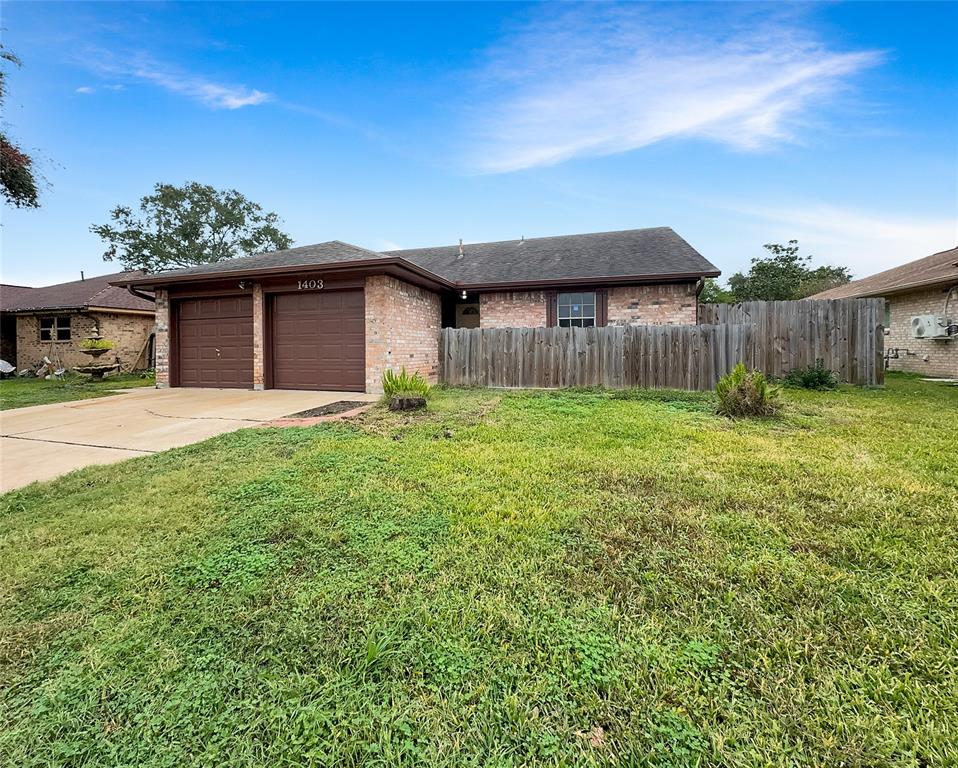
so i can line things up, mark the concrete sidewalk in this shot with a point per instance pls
(44, 441)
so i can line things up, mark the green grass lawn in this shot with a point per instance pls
(575, 578)
(19, 393)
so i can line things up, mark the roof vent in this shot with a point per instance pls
(461, 254)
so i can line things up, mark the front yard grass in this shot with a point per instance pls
(19, 393)
(565, 578)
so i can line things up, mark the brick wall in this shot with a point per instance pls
(628, 305)
(259, 337)
(162, 306)
(402, 330)
(512, 309)
(128, 331)
(663, 304)
(925, 356)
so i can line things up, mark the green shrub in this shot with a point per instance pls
(97, 344)
(405, 384)
(812, 377)
(746, 393)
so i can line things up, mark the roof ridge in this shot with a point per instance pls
(530, 239)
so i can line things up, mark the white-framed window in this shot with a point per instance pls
(575, 310)
(55, 328)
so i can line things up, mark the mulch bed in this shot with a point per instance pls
(342, 409)
(328, 410)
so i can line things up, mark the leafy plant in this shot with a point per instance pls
(815, 376)
(97, 344)
(746, 393)
(405, 384)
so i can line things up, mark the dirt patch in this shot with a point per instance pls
(340, 406)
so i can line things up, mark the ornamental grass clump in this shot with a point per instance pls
(405, 391)
(744, 393)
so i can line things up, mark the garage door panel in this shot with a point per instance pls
(216, 342)
(318, 341)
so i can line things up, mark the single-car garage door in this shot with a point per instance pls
(215, 342)
(318, 341)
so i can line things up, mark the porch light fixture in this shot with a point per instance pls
(463, 294)
(244, 284)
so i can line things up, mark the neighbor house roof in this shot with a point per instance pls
(938, 269)
(12, 294)
(641, 254)
(93, 292)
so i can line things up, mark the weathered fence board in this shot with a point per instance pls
(847, 334)
(774, 337)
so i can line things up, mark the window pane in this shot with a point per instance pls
(63, 322)
(564, 322)
(46, 322)
(588, 322)
(63, 334)
(45, 334)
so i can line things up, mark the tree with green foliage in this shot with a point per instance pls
(714, 293)
(784, 275)
(18, 182)
(189, 225)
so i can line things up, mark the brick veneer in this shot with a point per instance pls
(259, 338)
(128, 331)
(402, 330)
(942, 356)
(162, 306)
(664, 304)
(512, 309)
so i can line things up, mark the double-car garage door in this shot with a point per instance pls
(315, 340)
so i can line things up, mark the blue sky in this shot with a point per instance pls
(409, 125)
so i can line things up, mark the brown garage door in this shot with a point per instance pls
(215, 342)
(318, 341)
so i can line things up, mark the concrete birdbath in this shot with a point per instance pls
(96, 346)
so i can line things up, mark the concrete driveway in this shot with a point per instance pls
(44, 441)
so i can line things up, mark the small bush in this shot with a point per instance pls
(812, 377)
(97, 344)
(746, 393)
(405, 384)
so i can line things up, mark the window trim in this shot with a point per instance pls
(55, 327)
(601, 305)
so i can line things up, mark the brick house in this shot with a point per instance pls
(917, 288)
(52, 321)
(334, 316)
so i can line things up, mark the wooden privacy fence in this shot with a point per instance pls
(771, 336)
(848, 334)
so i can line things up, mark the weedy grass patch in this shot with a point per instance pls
(21, 392)
(507, 578)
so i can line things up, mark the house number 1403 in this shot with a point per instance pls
(310, 285)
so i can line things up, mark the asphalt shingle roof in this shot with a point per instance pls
(645, 253)
(627, 253)
(332, 252)
(938, 269)
(92, 292)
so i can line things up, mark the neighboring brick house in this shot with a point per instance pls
(918, 288)
(335, 316)
(52, 321)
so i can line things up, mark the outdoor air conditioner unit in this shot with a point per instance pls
(929, 327)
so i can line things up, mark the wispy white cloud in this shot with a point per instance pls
(86, 89)
(865, 241)
(215, 95)
(600, 80)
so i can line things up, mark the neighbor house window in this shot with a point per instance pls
(575, 310)
(55, 328)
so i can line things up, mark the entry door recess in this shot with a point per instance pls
(318, 340)
(215, 342)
